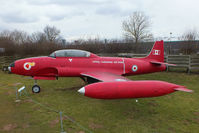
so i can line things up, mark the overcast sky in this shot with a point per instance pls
(100, 18)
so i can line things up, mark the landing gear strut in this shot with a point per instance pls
(36, 88)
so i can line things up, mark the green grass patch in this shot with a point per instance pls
(174, 113)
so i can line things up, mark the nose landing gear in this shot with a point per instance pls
(36, 88)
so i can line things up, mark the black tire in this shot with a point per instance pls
(36, 89)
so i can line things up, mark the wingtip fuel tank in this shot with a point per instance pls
(130, 89)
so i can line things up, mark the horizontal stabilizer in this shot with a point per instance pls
(183, 89)
(160, 63)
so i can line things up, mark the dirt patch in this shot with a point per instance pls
(37, 108)
(56, 121)
(81, 132)
(196, 113)
(95, 126)
(153, 104)
(3, 85)
(169, 96)
(197, 120)
(171, 129)
(9, 93)
(130, 117)
(186, 122)
(25, 126)
(197, 117)
(9, 127)
(15, 84)
(28, 100)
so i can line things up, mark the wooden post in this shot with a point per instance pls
(167, 60)
(189, 67)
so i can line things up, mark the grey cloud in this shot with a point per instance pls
(65, 2)
(113, 11)
(108, 11)
(58, 17)
(17, 17)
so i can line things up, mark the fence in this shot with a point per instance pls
(189, 62)
(184, 61)
(6, 60)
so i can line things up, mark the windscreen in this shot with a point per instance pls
(72, 53)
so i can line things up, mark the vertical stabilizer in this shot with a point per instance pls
(157, 52)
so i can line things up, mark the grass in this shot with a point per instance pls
(174, 113)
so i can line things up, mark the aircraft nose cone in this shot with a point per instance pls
(9, 69)
(82, 90)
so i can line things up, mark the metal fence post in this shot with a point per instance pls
(17, 96)
(61, 122)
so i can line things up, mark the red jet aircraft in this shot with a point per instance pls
(106, 73)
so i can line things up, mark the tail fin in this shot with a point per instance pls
(157, 52)
(183, 89)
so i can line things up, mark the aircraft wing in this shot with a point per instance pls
(104, 76)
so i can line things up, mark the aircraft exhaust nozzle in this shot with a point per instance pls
(130, 89)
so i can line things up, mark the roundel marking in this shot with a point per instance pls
(27, 66)
(134, 68)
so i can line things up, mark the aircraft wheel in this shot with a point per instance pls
(36, 89)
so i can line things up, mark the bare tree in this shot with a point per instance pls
(38, 37)
(189, 37)
(5, 34)
(51, 33)
(17, 36)
(136, 27)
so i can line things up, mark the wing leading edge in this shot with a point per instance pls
(104, 76)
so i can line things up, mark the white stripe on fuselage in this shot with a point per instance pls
(111, 62)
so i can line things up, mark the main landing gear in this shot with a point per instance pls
(36, 88)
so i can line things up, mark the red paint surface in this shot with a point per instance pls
(129, 89)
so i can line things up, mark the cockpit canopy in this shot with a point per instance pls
(70, 53)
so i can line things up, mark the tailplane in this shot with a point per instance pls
(157, 52)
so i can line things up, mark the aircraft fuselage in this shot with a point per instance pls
(74, 66)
